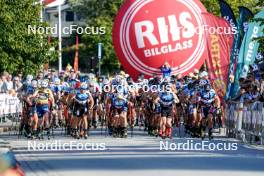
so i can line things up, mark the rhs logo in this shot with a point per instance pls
(148, 33)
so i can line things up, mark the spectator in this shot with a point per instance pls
(166, 69)
(141, 77)
(17, 85)
(8, 84)
(196, 73)
(40, 75)
(3, 79)
(262, 84)
(1, 83)
(20, 76)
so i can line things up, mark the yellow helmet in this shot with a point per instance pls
(120, 96)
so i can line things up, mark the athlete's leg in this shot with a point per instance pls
(85, 125)
(123, 123)
(115, 124)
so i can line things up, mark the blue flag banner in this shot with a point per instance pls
(249, 47)
(244, 15)
(228, 14)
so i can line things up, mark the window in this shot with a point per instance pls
(69, 16)
(47, 16)
(79, 17)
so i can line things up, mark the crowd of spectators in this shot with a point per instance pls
(251, 88)
(8, 83)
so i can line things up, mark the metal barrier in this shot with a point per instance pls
(10, 107)
(245, 122)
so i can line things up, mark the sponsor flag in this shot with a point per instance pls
(244, 15)
(76, 58)
(219, 44)
(228, 14)
(249, 47)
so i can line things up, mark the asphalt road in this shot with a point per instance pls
(137, 155)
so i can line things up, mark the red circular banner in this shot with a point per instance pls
(148, 33)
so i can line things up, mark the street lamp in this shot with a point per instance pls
(54, 4)
(91, 64)
(100, 45)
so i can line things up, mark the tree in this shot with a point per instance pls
(20, 49)
(103, 12)
(212, 6)
(99, 13)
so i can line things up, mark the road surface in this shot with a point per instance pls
(137, 155)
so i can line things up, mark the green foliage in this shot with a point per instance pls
(99, 13)
(103, 12)
(212, 6)
(21, 50)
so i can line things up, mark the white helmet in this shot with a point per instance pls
(57, 81)
(29, 77)
(84, 86)
(145, 81)
(91, 76)
(255, 67)
(44, 84)
(203, 74)
(34, 83)
(118, 78)
(106, 81)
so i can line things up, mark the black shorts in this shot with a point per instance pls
(80, 110)
(207, 110)
(166, 111)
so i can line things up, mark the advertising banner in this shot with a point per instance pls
(244, 15)
(228, 14)
(219, 44)
(148, 33)
(249, 47)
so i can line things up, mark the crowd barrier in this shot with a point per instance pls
(245, 122)
(10, 106)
